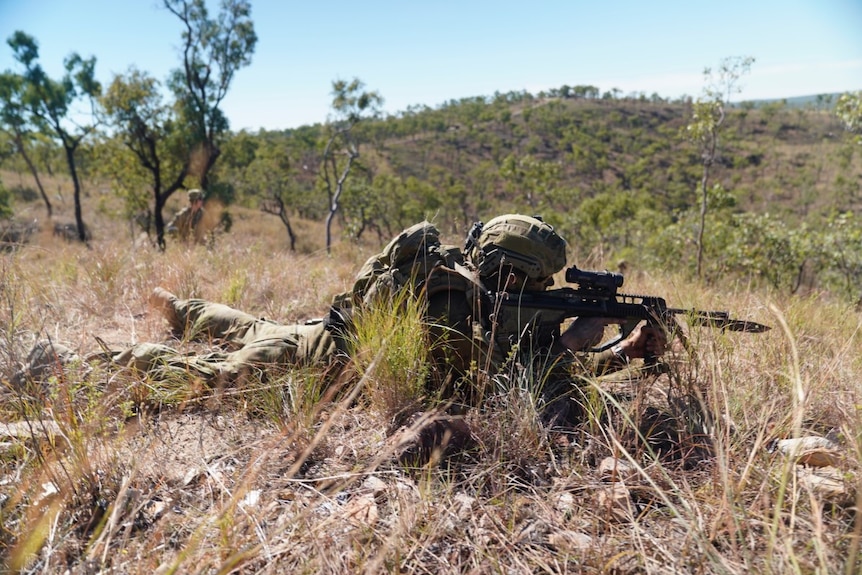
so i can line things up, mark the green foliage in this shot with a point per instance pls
(762, 246)
(707, 118)
(47, 104)
(532, 178)
(607, 172)
(351, 104)
(849, 111)
(5, 202)
(839, 243)
(391, 350)
(387, 205)
(270, 175)
(608, 175)
(213, 50)
(23, 193)
(765, 252)
(129, 180)
(614, 223)
(177, 144)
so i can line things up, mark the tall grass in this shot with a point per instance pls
(299, 472)
(392, 337)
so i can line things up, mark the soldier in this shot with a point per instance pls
(186, 224)
(509, 253)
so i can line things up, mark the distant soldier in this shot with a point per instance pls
(186, 224)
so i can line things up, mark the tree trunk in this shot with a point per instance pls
(336, 198)
(703, 207)
(76, 183)
(212, 152)
(20, 143)
(159, 219)
(286, 221)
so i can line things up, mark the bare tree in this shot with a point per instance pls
(708, 115)
(351, 104)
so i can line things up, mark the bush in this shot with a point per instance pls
(390, 347)
(5, 202)
(24, 193)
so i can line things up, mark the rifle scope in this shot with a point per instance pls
(603, 281)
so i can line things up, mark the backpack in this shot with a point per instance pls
(404, 264)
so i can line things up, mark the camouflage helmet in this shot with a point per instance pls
(195, 195)
(526, 243)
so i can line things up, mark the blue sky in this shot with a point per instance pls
(426, 53)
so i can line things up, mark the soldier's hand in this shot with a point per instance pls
(584, 333)
(645, 341)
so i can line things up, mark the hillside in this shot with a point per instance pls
(616, 177)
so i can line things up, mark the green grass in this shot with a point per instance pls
(300, 473)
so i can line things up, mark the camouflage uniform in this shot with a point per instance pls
(186, 224)
(253, 341)
(471, 342)
(251, 347)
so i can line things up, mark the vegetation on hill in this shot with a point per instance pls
(616, 177)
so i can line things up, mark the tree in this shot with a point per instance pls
(14, 117)
(351, 104)
(270, 172)
(50, 103)
(5, 202)
(708, 115)
(532, 178)
(149, 129)
(174, 142)
(849, 111)
(213, 51)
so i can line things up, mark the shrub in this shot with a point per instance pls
(390, 347)
(5, 202)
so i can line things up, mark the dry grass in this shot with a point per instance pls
(112, 477)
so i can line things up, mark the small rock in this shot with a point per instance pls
(812, 450)
(463, 507)
(570, 541)
(374, 484)
(154, 510)
(251, 498)
(362, 510)
(191, 475)
(615, 503)
(613, 469)
(565, 502)
(28, 429)
(827, 483)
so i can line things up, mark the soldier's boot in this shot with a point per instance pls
(165, 302)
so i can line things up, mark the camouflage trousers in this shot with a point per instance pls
(247, 338)
(247, 347)
(251, 345)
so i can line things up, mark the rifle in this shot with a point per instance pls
(596, 295)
